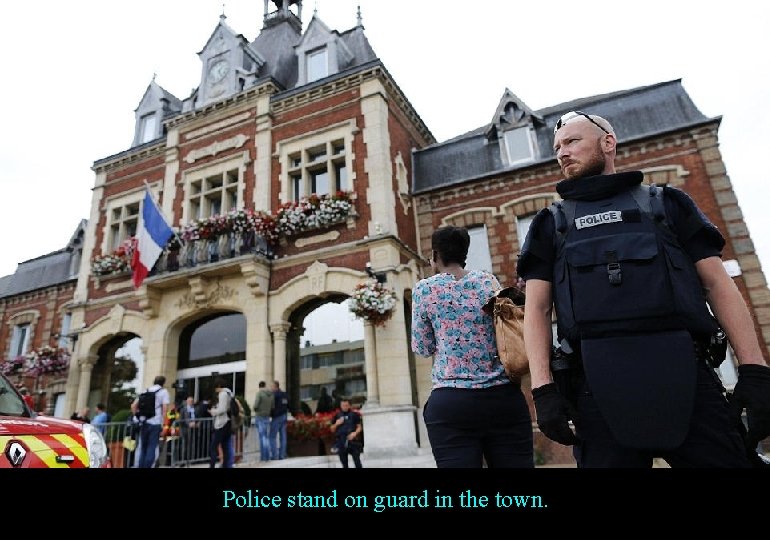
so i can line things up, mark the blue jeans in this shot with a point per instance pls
(278, 431)
(263, 432)
(149, 437)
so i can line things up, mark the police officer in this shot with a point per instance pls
(629, 269)
(346, 426)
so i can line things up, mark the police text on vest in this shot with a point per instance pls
(613, 216)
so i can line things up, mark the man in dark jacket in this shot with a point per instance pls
(641, 390)
(347, 427)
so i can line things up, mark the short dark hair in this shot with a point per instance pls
(262, 384)
(100, 406)
(220, 382)
(451, 244)
(159, 380)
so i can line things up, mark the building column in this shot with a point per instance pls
(370, 359)
(84, 386)
(279, 352)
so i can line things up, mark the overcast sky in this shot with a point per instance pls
(73, 73)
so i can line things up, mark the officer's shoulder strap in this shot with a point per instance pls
(650, 201)
(563, 215)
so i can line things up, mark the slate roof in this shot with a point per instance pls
(635, 113)
(39, 273)
(275, 43)
(46, 270)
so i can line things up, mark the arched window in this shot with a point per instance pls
(217, 339)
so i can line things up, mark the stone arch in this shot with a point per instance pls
(319, 280)
(666, 175)
(522, 207)
(292, 303)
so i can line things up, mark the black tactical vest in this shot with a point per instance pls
(619, 269)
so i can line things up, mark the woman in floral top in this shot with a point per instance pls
(474, 414)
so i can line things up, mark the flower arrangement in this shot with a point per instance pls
(293, 217)
(304, 427)
(373, 302)
(48, 361)
(13, 366)
(43, 361)
(313, 212)
(116, 262)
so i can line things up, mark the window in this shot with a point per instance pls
(19, 340)
(148, 126)
(212, 195)
(479, 257)
(66, 321)
(220, 339)
(317, 65)
(306, 361)
(123, 223)
(522, 228)
(321, 170)
(519, 145)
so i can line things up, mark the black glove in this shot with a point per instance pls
(752, 392)
(553, 414)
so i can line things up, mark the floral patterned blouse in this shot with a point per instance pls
(447, 322)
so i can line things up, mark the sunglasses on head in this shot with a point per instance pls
(573, 114)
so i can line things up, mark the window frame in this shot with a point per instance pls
(201, 186)
(472, 232)
(507, 143)
(312, 65)
(20, 345)
(329, 150)
(146, 123)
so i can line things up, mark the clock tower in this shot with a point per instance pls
(229, 64)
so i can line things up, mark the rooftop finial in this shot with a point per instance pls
(223, 16)
(359, 19)
(153, 76)
(315, 9)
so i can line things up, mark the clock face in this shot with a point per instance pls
(218, 70)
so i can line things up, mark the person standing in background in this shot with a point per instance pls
(101, 418)
(27, 398)
(263, 404)
(222, 432)
(347, 427)
(278, 418)
(149, 436)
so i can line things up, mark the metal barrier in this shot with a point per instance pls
(187, 446)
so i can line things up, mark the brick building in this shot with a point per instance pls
(296, 113)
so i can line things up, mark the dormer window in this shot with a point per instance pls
(148, 128)
(519, 145)
(317, 64)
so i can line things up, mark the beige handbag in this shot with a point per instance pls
(507, 310)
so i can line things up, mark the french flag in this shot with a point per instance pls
(152, 236)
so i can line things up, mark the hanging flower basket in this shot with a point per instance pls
(373, 302)
(13, 366)
(48, 361)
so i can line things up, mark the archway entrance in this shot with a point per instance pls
(212, 346)
(324, 354)
(116, 376)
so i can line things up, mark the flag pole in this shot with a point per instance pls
(160, 211)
